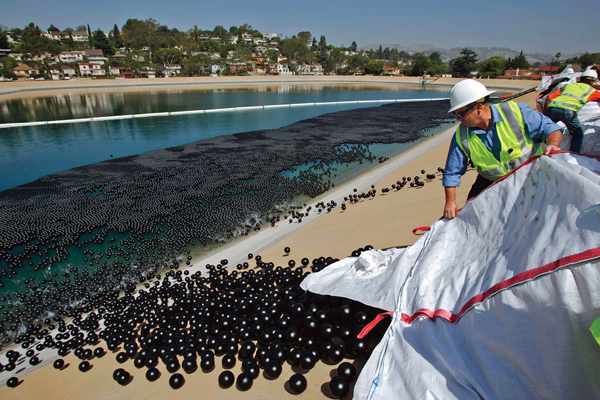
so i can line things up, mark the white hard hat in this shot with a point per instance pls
(589, 73)
(568, 71)
(467, 92)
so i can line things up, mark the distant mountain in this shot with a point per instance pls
(483, 52)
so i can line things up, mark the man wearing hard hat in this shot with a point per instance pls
(495, 138)
(565, 103)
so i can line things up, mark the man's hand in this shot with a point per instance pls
(450, 207)
(550, 148)
(553, 142)
(450, 210)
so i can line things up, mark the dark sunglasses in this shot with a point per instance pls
(461, 114)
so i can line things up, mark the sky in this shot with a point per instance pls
(534, 26)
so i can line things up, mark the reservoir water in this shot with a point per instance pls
(30, 152)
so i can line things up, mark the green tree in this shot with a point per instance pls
(139, 34)
(296, 49)
(4, 40)
(357, 63)
(465, 64)
(519, 61)
(33, 44)
(374, 67)
(353, 46)
(492, 67)
(117, 39)
(100, 41)
(52, 28)
(420, 65)
(7, 66)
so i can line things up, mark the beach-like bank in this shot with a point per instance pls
(386, 220)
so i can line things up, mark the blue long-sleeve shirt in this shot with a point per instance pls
(538, 127)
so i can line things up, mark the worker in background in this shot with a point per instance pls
(496, 138)
(565, 103)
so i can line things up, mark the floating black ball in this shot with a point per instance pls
(172, 365)
(59, 363)
(99, 352)
(12, 382)
(297, 383)
(307, 360)
(287, 250)
(226, 379)
(34, 360)
(339, 387)
(244, 381)
(176, 381)
(152, 374)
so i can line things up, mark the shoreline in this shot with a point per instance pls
(17, 89)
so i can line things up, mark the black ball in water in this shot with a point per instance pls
(297, 383)
(176, 381)
(122, 357)
(226, 379)
(152, 374)
(244, 381)
(339, 387)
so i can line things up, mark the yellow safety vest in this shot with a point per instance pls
(516, 145)
(573, 97)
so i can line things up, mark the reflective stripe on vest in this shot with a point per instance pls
(578, 92)
(516, 145)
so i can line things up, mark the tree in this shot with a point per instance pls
(465, 64)
(7, 66)
(305, 37)
(117, 39)
(33, 44)
(100, 41)
(52, 28)
(492, 67)
(374, 67)
(4, 40)
(519, 61)
(296, 49)
(139, 34)
(353, 46)
(168, 57)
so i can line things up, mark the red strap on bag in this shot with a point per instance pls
(373, 323)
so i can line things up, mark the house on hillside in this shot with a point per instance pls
(95, 56)
(79, 36)
(24, 71)
(123, 72)
(71, 56)
(67, 70)
(92, 69)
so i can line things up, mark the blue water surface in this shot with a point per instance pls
(31, 152)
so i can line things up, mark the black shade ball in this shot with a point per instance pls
(273, 369)
(12, 382)
(123, 378)
(347, 370)
(152, 374)
(59, 363)
(339, 387)
(228, 361)
(207, 364)
(85, 366)
(176, 381)
(244, 381)
(297, 383)
(226, 379)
